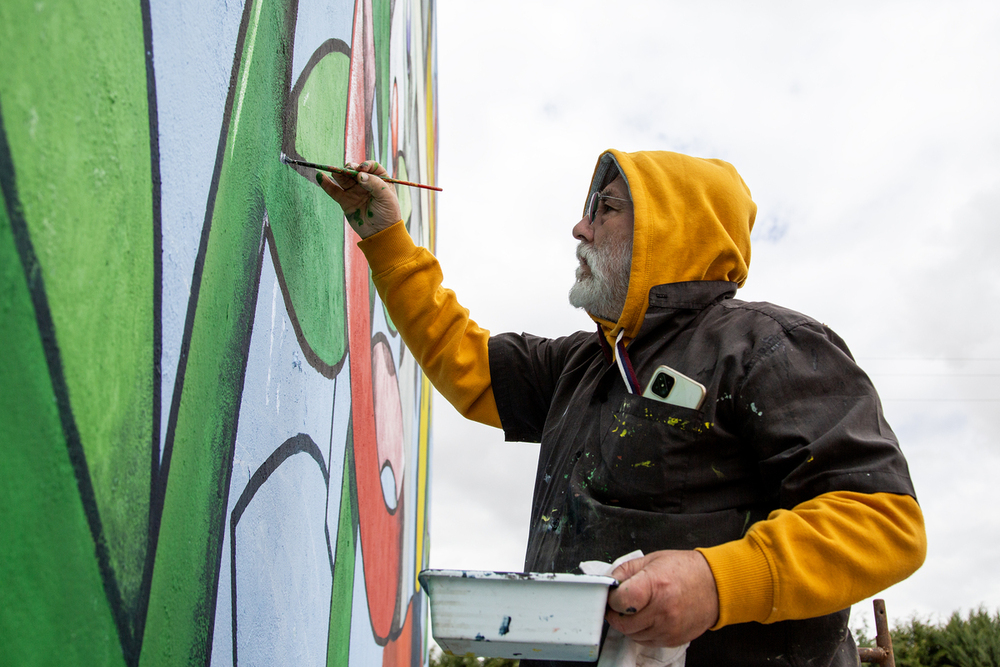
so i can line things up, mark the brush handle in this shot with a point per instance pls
(352, 172)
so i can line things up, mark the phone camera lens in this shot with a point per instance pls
(663, 384)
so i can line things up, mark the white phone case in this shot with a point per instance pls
(675, 388)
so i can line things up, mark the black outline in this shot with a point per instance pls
(289, 125)
(213, 602)
(142, 601)
(297, 444)
(350, 479)
(74, 446)
(288, 39)
(291, 113)
(323, 368)
(158, 494)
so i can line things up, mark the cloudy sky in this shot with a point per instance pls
(868, 133)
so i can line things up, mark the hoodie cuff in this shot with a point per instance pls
(388, 248)
(744, 580)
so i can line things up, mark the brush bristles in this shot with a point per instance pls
(284, 159)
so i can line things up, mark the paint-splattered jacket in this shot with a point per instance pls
(788, 482)
(788, 416)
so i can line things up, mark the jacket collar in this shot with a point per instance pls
(692, 295)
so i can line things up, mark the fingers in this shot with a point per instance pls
(327, 184)
(370, 166)
(369, 203)
(348, 181)
(635, 590)
(349, 196)
(630, 624)
(345, 181)
(665, 598)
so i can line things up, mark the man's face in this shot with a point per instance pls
(605, 254)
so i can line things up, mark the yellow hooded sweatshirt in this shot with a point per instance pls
(692, 222)
(693, 219)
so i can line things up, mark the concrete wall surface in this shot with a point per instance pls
(214, 444)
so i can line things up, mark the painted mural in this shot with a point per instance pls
(213, 444)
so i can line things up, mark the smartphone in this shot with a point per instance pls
(670, 386)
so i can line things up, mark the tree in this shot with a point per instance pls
(970, 642)
(439, 659)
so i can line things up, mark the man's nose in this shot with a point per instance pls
(584, 230)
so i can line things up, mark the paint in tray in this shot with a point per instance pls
(544, 616)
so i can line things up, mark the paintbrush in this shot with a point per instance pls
(351, 172)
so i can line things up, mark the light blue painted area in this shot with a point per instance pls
(193, 46)
(222, 637)
(282, 397)
(364, 650)
(283, 555)
(282, 394)
(283, 574)
(318, 22)
(337, 447)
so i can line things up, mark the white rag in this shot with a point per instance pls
(619, 650)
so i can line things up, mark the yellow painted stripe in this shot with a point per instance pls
(430, 114)
(422, 470)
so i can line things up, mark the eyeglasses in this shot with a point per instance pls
(595, 203)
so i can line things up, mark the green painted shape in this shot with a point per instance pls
(342, 597)
(252, 181)
(382, 32)
(309, 232)
(53, 610)
(73, 86)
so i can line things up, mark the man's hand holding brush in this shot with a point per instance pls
(369, 203)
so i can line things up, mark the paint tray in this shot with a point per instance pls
(517, 615)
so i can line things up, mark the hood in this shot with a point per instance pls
(693, 218)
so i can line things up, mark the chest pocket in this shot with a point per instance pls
(647, 450)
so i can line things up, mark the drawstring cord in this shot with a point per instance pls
(625, 365)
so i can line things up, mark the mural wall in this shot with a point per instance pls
(214, 445)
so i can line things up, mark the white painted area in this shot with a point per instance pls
(193, 47)
(283, 574)
(282, 395)
(318, 22)
(338, 448)
(282, 555)
(363, 649)
(275, 368)
(222, 634)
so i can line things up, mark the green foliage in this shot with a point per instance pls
(970, 642)
(439, 659)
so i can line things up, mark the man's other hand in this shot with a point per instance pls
(666, 598)
(369, 203)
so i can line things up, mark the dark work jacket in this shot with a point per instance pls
(787, 416)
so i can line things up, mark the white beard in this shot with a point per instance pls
(603, 292)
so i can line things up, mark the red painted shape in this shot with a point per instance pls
(381, 532)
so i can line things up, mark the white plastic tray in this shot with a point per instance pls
(517, 615)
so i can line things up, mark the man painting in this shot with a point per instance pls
(765, 511)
